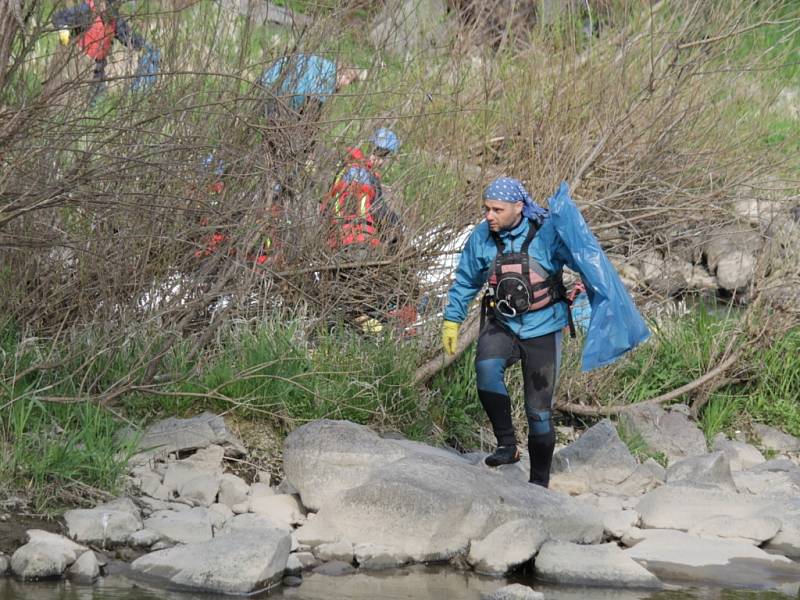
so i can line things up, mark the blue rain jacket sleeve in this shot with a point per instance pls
(616, 325)
(470, 276)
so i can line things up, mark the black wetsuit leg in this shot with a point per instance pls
(540, 365)
(497, 350)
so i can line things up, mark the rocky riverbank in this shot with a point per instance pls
(354, 501)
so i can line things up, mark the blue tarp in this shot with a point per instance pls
(615, 326)
(300, 76)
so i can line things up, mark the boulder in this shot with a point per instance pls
(599, 565)
(194, 525)
(279, 507)
(678, 555)
(46, 555)
(755, 528)
(373, 557)
(618, 522)
(707, 470)
(775, 439)
(730, 254)
(251, 522)
(104, 524)
(144, 538)
(179, 474)
(515, 591)
(494, 555)
(174, 435)
(241, 563)
(5, 564)
(598, 457)
(86, 568)
(428, 507)
(201, 490)
(341, 551)
(680, 507)
(768, 483)
(740, 456)
(671, 433)
(325, 457)
(232, 489)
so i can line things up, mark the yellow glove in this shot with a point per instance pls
(450, 336)
(63, 36)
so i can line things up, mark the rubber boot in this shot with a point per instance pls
(541, 443)
(504, 455)
(498, 409)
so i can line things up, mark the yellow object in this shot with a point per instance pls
(369, 325)
(63, 36)
(450, 336)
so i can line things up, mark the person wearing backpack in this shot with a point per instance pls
(94, 25)
(520, 250)
(357, 213)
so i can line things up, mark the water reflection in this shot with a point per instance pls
(417, 583)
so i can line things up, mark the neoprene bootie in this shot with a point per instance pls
(504, 455)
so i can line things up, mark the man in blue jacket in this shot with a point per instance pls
(519, 253)
(520, 250)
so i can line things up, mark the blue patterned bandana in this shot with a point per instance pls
(508, 189)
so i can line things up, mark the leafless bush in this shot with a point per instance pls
(107, 221)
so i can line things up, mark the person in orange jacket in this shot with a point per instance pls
(95, 24)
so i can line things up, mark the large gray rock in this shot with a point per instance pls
(374, 557)
(46, 555)
(251, 522)
(756, 528)
(731, 254)
(671, 433)
(679, 555)
(681, 507)
(233, 564)
(598, 457)
(86, 569)
(175, 435)
(768, 483)
(5, 564)
(599, 565)
(113, 522)
(279, 507)
(326, 457)
(194, 525)
(232, 489)
(201, 490)
(775, 439)
(404, 27)
(707, 470)
(427, 507)
(741, 456)
(494, 555)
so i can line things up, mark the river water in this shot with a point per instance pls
(417, 583)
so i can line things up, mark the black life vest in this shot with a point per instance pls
(518, 284)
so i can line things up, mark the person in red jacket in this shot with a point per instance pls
(354, 206)
(95, 24)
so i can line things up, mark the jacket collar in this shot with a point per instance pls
(520, 228)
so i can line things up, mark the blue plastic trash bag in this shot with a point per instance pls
(301, 76)
(581, 311)
(615, 326)
(145, 76)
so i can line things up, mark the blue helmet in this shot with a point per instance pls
(385, 139)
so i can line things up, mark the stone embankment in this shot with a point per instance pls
(353, 501)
